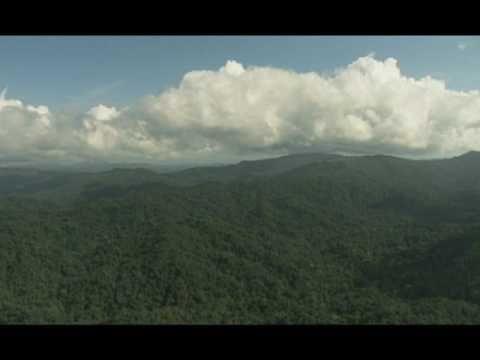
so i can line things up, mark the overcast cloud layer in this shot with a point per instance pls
(237, 112)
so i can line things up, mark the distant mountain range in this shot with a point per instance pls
(307, 238)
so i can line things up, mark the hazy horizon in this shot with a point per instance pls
(240, 180)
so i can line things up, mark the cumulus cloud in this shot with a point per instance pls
(246, 112)
(24, 129)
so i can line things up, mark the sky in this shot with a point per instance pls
(165, 98)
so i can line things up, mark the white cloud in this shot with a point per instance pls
(237, 111)
(24, 129)
(103, 113)
(462, 46)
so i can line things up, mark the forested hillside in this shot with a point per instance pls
(310, 238)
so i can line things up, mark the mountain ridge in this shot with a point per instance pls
(309, 239)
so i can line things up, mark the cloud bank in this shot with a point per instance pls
(247, 112)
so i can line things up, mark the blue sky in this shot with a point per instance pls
(106, 97)
(83, 71)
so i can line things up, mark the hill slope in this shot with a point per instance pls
(308, 238)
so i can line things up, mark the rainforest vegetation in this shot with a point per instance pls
(301, 239)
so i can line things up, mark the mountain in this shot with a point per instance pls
(247, 169)
(307, 238)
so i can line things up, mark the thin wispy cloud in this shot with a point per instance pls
(462, 46)
(91, 97)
